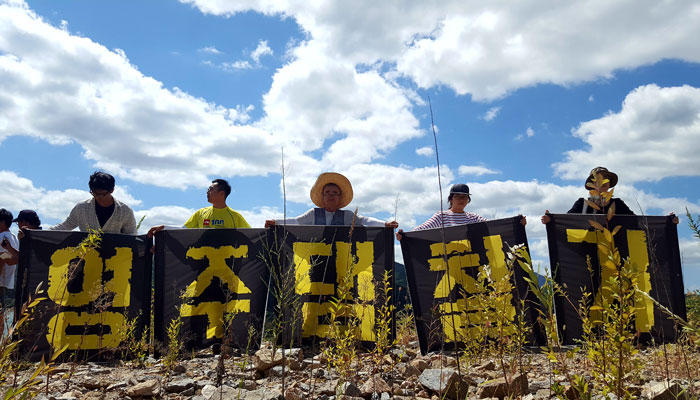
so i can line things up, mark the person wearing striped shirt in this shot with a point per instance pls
(459, 198)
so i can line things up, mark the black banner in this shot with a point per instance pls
(91, 293)
(651, 243)
(209, 279)
(444, 303)
(320, 262)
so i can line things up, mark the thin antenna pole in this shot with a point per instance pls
(442, 230)
(284, 190)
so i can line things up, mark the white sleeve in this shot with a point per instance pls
(306, 218)
(14, 242)
(369, 221)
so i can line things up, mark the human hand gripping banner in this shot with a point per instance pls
(456, 304)
(94, 292)
(213, 282)
(337, 275)
(651, 246)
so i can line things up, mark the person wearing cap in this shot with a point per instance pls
(218, 215)
(102, 211)
(331, 192)
(26, 219)
(581, 207)
(458, 199)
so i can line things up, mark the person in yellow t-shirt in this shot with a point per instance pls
(218, 215)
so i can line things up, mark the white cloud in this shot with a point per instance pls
(19, 193)
(210, 50)
(491, 113)
(478, 170)
(528, 133)
(490, 49)
(690, 251)
(425, 151)
(654, 135)
(236, 65)
(172, 216)
(127, 123)
(318, 101)
(261, 50)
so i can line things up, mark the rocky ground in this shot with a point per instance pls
(401, 374)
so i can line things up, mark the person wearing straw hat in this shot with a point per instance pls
(331, 192)
(610, 180)
(581, 207)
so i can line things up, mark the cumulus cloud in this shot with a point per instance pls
(19, 193)
(491, 113)
(529, 132)
(64, 88)
(654, 124)
(477, 170)
(236, 65)
(490, 49)
(425, 151)
(318, 101)
(210, 50)
(261, 50)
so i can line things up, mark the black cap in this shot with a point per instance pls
(29, 216)
(460, 188)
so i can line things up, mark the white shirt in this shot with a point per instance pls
(307, 218)
(7, 276)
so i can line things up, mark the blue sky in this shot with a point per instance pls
(527, 98)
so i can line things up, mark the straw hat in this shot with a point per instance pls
(337, 179)
(610, 176)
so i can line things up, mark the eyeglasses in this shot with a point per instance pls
(331, 194)
(100, 194)
(460, 196)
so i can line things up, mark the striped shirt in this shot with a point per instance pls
(450, 218)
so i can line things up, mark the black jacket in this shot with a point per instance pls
(620, 208)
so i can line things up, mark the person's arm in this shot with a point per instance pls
(369, 221)
(432, 222)
(70, 223)
(546, 218)
(306, 218)
(12, 248)
(129, 226)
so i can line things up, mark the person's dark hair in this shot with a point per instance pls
(6, 217)
(221, 184)
(30, 217)
(101, 181)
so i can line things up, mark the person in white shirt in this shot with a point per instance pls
(7, 271)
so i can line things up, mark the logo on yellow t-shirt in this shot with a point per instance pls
(212, 222)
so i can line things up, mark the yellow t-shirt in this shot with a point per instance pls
(210, 217)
